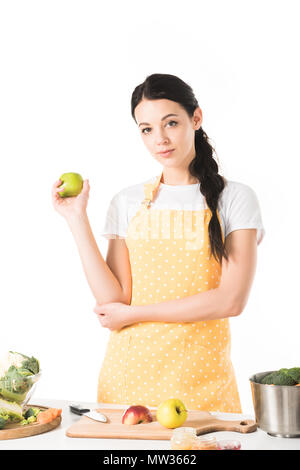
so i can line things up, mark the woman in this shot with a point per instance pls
(181, 260)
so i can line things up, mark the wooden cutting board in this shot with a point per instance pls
(203, 421)
(15, 430)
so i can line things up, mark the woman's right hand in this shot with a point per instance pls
(70, 206)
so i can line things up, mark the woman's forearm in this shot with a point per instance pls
(103, 284)
(209, 305)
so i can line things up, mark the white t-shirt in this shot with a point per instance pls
(238, 206)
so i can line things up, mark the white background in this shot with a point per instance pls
(68, 69)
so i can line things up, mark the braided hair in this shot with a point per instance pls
(204, 167)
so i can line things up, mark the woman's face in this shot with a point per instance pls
(162, 132)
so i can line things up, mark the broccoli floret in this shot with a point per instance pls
(31, 419)
(33, 411)
(3, 421)
(28, 413)
(281, 377)
(36, 410)
(268, 379)
(294, 372)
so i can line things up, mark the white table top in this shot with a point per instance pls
(57, 439)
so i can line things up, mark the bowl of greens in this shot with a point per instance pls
(19, 375)
(276, 401)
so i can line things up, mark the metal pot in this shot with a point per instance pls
(276, 407)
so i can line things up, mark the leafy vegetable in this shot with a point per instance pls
(18, 373)
(15, 385)
(27, 363)
(10, 410)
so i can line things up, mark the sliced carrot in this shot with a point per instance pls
(56, 412)
(48, 415)
(44, 417)
(53, 412)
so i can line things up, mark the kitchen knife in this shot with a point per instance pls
(78, 410)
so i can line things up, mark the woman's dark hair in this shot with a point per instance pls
(204, 167)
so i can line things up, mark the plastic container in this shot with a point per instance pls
(19, 391)
(183, 438)
(205, 443)
(228, 445)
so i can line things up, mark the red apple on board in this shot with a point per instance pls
(137, 414)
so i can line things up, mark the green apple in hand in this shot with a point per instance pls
(171, 413)
(72, 184)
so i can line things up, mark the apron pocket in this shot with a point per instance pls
(201, 375)
(205, 374)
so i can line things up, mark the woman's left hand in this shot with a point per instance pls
(114, 315)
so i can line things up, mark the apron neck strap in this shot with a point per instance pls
(150, 190)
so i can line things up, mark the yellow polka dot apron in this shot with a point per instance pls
(148, 362)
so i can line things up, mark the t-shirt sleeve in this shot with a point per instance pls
(116, 218)
(242, 210)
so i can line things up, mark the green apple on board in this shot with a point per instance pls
(72, 184)
(171, 413)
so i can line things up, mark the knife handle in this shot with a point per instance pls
(77, 410)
